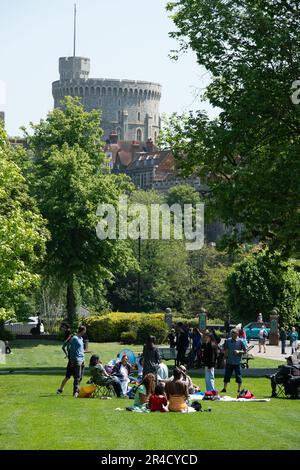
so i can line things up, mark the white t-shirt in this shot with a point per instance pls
(124, 372)
(162, 371)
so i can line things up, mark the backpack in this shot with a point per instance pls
(213, 395)
(246, 394)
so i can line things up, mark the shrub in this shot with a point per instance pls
(109, 327)
(128, 337)
(6, 335)
(190, 322)
(152, 327)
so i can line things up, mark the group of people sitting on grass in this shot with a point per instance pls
(153, 392)
(151, 370)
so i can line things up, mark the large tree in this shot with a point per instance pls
(163, 279)
(250, 153)
(23, 232)
(262, 281)
(70, 178)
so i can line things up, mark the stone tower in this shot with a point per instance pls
(129, 108)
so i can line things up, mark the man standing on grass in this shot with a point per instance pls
(234, 348)
(76, 354)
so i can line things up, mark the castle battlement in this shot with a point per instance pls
(129, 107)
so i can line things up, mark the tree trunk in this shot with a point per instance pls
(71, 303)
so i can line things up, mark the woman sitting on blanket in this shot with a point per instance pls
(143, 393)
(177, 393)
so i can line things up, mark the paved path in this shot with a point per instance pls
(272, 352)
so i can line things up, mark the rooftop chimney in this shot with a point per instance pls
(113, 137)
(149, 145)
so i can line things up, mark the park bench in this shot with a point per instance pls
(168, 354)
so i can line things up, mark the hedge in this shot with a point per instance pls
(109, 328)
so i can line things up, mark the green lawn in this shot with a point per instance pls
(34, 417)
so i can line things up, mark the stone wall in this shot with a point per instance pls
(131, 108)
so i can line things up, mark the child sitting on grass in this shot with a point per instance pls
(158, 401)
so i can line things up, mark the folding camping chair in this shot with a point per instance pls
(103, 390)
(103, 387)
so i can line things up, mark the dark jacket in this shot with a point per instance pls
(117, 367)
(151, 360)
(209, 354)
(182, 340)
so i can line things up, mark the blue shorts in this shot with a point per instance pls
(233, 368)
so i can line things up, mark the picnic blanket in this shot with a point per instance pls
(200, 395)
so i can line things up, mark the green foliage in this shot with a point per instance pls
(109, 327)
(22, 232)
(182, 194)
(249, 154)
(262, 281)
(155, 327)
(164, 271)
(6, 335)
(209, 271)
(128, 337)
(70, 179)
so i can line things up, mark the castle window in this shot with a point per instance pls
(130, 92)
(115, 91)
(139, 116)
(76, 91)
(92, 91)
(119, 132)
(103, 91)
(119, 116)
(155, 137)
(108, 91)
(139, 135)
(81, 91)
(98, 91)
(119, 102)
(87, 91)
(120, 92)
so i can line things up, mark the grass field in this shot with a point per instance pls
(34, 417)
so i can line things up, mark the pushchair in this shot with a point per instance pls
(286, 381)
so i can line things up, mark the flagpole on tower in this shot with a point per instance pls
(75, 14)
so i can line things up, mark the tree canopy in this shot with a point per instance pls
(23, 232)
(262, 281)
(249, 154)
(70, 178)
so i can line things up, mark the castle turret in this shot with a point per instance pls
(128, 107)
(72, 68)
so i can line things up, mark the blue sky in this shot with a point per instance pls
(126, 39)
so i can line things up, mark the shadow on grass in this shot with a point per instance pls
(33, 371)
(32, 343)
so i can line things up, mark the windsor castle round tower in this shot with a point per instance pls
(129, 108)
